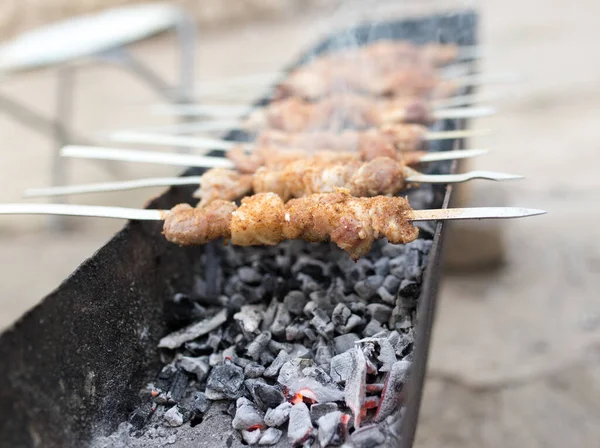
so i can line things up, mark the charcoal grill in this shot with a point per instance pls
(73, 365)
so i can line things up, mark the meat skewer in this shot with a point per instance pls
(351, 111)
(352, 223)
(405, 137)
(322, 174)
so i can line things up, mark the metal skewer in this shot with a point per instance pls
(196, 180)
(158, 139)
(136, 214)
(223, 111)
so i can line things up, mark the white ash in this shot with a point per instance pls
(270, 437)
(300, 427)
(279, 415)
(252, 437)
(173, 417)
(294, 321)
(247, 415)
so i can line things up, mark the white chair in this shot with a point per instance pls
(103, 36)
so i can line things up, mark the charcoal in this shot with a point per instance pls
(309, 309)
(267, 396)
(322, 300)
(391, 397)
(372, 328)
(275, 346)
(391, 283)
(387, 355)
(269, 315)
(173, 417)
(340, 367)
(409, 289)
(279, 415)
(321, 323)
(310, 334)
(141, 415)
(178, 386)
(193, 331)
(198, 347)
(258, 345)
(253, 370)
(165, 377)
(247, 415)
(307, 284)
(201, 403)
(249, 318)
(195, 366)
(355, 390)
(336, 291)
(295, 331)
(283, 262)
(270, 437)
(355, 304)
(340, 315)
(331, 429)
(249, 275)
(344, 342)
(318, 410)
(392, 250)
(252, 437)
(273, 370)
(394, 338)
(300, 427)
(295, 301)
(299, 351)
(266, 358)
(224, 381)
(381, 313)
(386, 296)
(354, 324)
(215, 338)
(368, 287)
(382, 266)
(215, 359)
(281, 321)
(297, 375)
(323, 354)
(182, 310)
(367, 437)
(412, 265)
(314, 268)
(235, 302)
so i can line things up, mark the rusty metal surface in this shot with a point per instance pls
(73, 365)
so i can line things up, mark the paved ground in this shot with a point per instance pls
(516, 356)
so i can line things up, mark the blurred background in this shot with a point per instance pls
(515, 359)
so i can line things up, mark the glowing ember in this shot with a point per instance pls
(304, 395)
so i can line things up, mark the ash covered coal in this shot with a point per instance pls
(305, 347)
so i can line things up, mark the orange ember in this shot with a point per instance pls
(305, 395)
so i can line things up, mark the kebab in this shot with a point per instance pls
(263, 219)
(321, 172)
(350, 111)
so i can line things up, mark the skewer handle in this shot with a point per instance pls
(131, 155)
(452, 155)
(111, 186)
(463, 112)
(451, 214)
(157, 139)
(416, 177)
(95, 211)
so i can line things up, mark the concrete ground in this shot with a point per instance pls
(516, 354)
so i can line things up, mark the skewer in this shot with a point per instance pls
(220, 111)
(135, 214)
(438, 114)
(158, 139)
(162, 158)
(196, 180)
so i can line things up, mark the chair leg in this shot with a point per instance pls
(64, 106)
